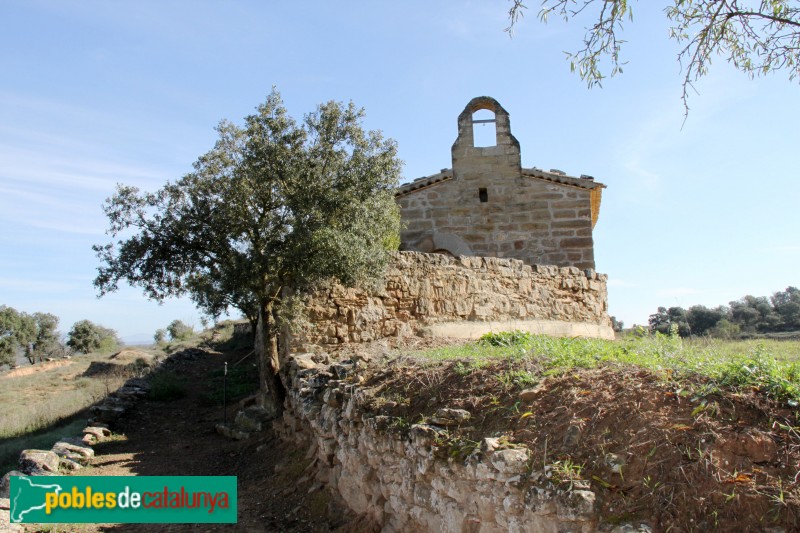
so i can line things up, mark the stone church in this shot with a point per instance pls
(488, 205)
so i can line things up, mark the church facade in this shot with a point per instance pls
(487, 204)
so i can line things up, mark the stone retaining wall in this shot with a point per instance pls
(402, 481)
(433, 294)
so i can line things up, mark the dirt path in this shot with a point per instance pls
(29, 370)
(177, 438)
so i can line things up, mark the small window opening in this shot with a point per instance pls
(484, 129)
(483, 195)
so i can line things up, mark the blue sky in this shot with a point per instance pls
(96, 93)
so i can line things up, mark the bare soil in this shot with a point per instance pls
(652, 451)
(678, 455)
(35, 369)
(276, 486)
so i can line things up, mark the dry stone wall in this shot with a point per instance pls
(433, 294)
(401, 479)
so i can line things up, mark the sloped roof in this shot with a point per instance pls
(425, 181)
(556, 176)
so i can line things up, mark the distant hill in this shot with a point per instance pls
(138, 339)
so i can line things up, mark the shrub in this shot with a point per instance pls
(507, 338)
(178, 331)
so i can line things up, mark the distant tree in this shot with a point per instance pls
(179, 331)
(86, 336)
(617, 325)
(725, 329)
(273, 207)
(35, 335)
(787, 306)
(160, 336)
(668, 321)
(44, 341)
(755, 37)
(701, 319)
(12, 334)
(754, 314)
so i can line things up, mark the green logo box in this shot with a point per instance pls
(123, 499)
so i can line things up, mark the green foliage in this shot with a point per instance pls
(226, 338)
(670, 321)
(756, 38)
(772, 367)
(701, 320)
(748, 315)
(35, 334)
(724, 329)
(10, 334)
(160, 336)
(274, 204)
(86, 337)
(166, 386)
(242, 380)
(178, 331)
(786, 305)
(45, 341)
(274, 208)
(506, 338)
(564, 471)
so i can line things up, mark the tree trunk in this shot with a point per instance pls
(266, 346)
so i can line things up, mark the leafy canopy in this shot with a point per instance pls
(86, 336)
(178, 331)
(274, 204)
(756, 37)
(34, 334)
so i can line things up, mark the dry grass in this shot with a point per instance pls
(39, 399)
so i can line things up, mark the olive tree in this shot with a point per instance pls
(35, 335)
(275, 206)
(16, 331)
(756, 37)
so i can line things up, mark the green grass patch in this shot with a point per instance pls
(507, 338)
(166, 386)
(241, 381)
(772, 367)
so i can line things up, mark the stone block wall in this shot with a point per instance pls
(434, 294)
(488, 205)
(536, 221)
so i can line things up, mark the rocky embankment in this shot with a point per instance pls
(405, 479)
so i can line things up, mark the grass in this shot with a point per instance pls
(42, 439)
(38, 400)
(242, 380)
(166, 386)
(772, 367)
